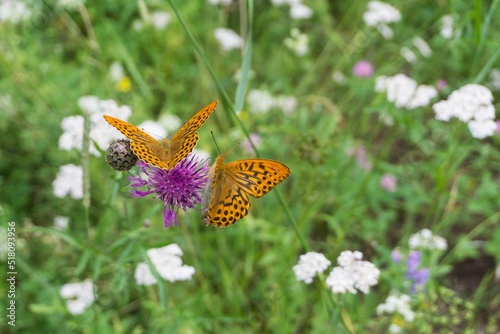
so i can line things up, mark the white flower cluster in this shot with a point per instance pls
(228, 39)
(352, 274)
(160, 19)
(61, 223)
(424, 239)
(261, 101)
(69, 182)
(446, 26)
(14, 11)
(471, 104)
(79, 296)
(297, 42)
(397, 303)
(404, 92)
(72, 137)
(167, 262)
(310, 264)
(379, 15)
(297, 9)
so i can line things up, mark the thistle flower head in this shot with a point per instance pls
(181, 187)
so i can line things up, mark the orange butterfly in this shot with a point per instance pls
(169, 152)
(226, 199)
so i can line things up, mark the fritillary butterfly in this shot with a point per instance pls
(169, 152)
(226, 199)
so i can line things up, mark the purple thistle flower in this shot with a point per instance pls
(180, 187)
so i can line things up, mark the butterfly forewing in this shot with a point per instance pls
(257, 176)
(184, 148)
(195, 122)
(132, 132)
(148, 154)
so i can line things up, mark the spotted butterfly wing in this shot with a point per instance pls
(227, 199)
(167, 153)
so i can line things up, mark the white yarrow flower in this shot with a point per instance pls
(379, 14)
(153, 128)
(310, 264)
(160, 19)
(69, 182)
(228, 39)
(471, 104)
(422, 46)
(260, 101)
(447, 26)
(61, 222)
(297, 42)
(425, 239)
(79, 296)
(143, 275)
(168, 263)
(14, 11)
(116, 71)
(404, 92)
(352, 274)
(397, 303)
(408, 55)
(300, 11)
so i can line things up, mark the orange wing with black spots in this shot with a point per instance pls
(227, 200)
(167, 153)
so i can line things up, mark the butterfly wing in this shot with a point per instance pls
(132, 132)
(183, 142)
(257, 176)
(224, 203)
(232, 183)
(147, 148)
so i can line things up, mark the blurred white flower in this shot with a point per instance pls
(297, 42)
(300, 11)
(397, 303)
(202, 154)
(260, 101)
(495, 79)
(69, 182)
(220, 2)
(167, 262)
(170, 122)
(70, 4)
(394, 329)
(228, 39)
(338, 77)
(310, 264)
(404, 91)
(14, 11)
(116, 71)
(352, 274)
(160, 19)
(482, 128)
(286, 103)
(447, 26)
(422, 46)
(424, 239)
(100, 131)
(471, 104)
(61, 222)
(153, 128)
(79, 296)
(408, 55)
(379, 14)
(143, 275)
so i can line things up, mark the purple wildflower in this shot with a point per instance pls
(180, 187)
(418, 277)
(396, 255)
(363, 69)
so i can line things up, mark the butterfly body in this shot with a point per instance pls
(227, 198)
(167, 153)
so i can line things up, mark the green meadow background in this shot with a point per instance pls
(448, 181)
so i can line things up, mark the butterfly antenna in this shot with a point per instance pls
(215, 141)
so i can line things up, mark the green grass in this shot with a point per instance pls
(448, 181)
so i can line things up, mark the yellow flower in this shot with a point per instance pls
(124, 85)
